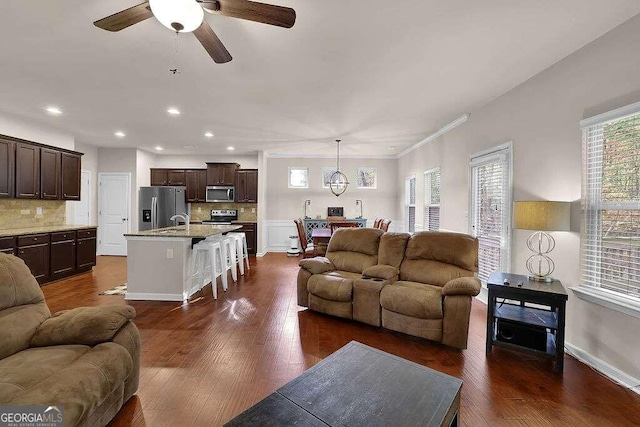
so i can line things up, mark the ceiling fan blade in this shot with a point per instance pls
(212, 43)
(253, 11)
(126, 18)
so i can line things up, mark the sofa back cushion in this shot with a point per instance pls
(354, 249)
(22, 306)
(392, 247)
(437, 257)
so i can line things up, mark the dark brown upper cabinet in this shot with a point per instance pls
(71, 174)
(221, 173)
(27, 171)
(176, 177)
(49, 174)
(159, 177)
(247, 186)
(196, 185)
(7, 168)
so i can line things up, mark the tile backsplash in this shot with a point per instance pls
(205, 210)
(22, 213)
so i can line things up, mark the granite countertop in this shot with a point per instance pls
(195, 231)
(43, 229)
(238, 221)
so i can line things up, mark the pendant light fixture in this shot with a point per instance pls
(338, 182)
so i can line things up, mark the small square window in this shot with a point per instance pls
(298, 177)
(326, 176)
(367, 178)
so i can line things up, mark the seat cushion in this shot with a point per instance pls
(77, 377)
(333, 286)
(413, 299)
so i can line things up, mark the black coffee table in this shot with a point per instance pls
(360, 386)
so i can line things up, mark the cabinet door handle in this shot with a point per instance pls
(79, 243)
(64, 195)
(37, 193)
(35, 239)
(44, 194)
(21, 252)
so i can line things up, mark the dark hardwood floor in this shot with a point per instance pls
(207, 361)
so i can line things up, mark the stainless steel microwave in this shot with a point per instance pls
(222, 193)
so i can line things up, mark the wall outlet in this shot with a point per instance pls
(253, 210)
(241, 210)
(169, 253)
(38, 210)
(25, 212)
(199, 209)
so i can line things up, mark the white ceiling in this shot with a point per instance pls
(374, 73)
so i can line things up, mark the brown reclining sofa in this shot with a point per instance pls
(85, 360)
(420, 284)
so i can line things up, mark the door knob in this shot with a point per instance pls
(124, 219)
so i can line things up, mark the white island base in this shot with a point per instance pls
(158, 269)
(158, 261)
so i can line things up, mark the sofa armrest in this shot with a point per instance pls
(462, 286)
(381, 271)
(84, 325)
(317, 265)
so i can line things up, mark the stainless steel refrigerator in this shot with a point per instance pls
(158, 204)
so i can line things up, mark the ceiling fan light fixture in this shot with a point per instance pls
(182, 16)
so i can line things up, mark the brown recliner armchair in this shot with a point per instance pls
(432, 298)
(86, 360)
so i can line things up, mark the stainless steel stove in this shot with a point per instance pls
(222, 216)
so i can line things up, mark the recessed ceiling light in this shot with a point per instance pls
(190, 147)
(208, 134)
(54, 110)
(392, 147)
(230, 148)
(173, 111)
(159, 148)
(120, 134)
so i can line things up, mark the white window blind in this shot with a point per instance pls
(610, 241)
(491, 210)
(410, 203)
(432, 199)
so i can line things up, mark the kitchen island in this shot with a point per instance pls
(158, 261)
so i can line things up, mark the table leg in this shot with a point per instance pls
(491, 303)
(559, 366)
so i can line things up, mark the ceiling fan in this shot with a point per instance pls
(185, 16)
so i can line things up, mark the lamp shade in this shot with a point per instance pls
(542, 216)
(188, 14)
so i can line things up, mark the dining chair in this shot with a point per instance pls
(384, 226)
(377, 222)
(307, 250)
(342, 224)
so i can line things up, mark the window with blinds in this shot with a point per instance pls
(410, 203)
(491, 210)
(610, 241)
(432, 199)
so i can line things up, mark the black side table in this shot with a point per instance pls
(513, 323)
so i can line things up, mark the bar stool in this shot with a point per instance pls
(241, 249)
(227, 245)
(208, 254)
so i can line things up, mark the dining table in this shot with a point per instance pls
(320, 238)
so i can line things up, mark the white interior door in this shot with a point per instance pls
(114, 211)
(82, 212)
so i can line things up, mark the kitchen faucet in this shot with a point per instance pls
(184, 217)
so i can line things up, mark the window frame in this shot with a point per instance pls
(484, 157)
(407, 202)
(427, 197)
(592, 200)
(300, 168)
(375, 178)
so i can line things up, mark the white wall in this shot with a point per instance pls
(122, 160)
(89, 163)
(199, 161)
(541, 118)
(35, 132)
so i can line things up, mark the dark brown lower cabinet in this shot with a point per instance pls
(8, 245)
(34, 251)
(56, 255)
(86, 253)
(63, 254)
(249, 229)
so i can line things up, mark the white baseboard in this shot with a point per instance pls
(603, 367)
(152, 297)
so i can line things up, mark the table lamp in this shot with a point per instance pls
(542, 217)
